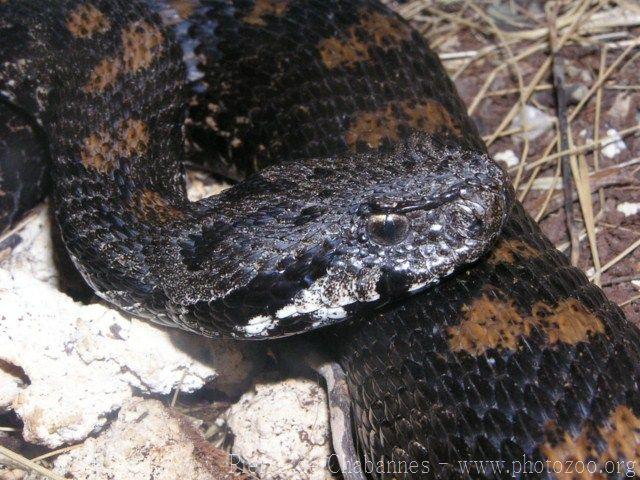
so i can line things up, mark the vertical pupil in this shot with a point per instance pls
(387, 229)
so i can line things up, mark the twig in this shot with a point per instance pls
(630, 300)
(516, 68)
(596, 121)
(494, 73)
(55, 453)
(541, 72)
(581, 174)
(617, 175)
(561, 106)
(546, 158)
(549, 195)
(619, 280)
(176, 392)
(28, 464)
(621, 255)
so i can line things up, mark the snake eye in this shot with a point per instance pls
(387, 228)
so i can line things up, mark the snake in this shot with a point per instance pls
(364, 215)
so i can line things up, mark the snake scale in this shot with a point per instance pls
(360, 180)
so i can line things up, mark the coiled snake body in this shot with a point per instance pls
(371, 184)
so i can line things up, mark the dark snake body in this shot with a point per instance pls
(516, 357)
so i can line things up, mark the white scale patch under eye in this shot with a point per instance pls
(327, 296)
(258, 325)
(417, 286)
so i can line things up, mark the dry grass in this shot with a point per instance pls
(17, 460)
(512, 47)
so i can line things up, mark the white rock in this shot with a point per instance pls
(200, 185)
(12, 474)
(533, 121)
(82, 361)
(546, 183)
(620, 108)
(281, 430)
(613, 144)
(509, 158)
(10, 386)
(33, 253)
(628, 208)
(147, 440)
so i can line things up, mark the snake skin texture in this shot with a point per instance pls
(517, 367)
(401, 194)
(513, 358)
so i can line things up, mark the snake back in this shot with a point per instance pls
(362, 181)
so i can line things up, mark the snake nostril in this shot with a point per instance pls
(387, 228)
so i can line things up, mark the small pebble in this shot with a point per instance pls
(628, 208)
(533, 121)
(508, 157)
(578, 92)
(613, 144)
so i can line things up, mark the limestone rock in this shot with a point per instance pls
(81, 362)
(147, 440)
(282, 430)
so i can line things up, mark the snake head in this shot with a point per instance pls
(309, 244)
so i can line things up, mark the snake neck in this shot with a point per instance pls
(393, 193)
(106, 82)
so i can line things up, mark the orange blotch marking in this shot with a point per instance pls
(431, 117)
(622, 435)
(618, 440)
(264, 8)
(184, 8)
(373, 28)
(387, 30)
(142, 43)
(133, 136)
(491, 323)
(568, 322)
(336, 52)
(103, 75)
(568, 450)
(374, 127)
(509, 251)
(86, 20)
(97, 152)
(102, 150)
(151, 205)
(488, 323)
